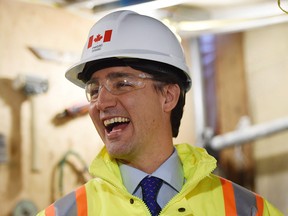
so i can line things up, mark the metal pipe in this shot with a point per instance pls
(249, 133)
(198, 91)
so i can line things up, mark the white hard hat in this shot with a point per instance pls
(128, 35)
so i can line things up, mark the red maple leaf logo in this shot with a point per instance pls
(98, 38)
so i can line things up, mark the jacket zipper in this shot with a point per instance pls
(128, 194)
(134, 197)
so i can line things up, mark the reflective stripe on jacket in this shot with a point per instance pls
(202, 194)
(75, 203)
(240, 201)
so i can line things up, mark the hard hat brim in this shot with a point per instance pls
(72, 73)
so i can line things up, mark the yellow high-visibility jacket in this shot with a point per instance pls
(202, 194)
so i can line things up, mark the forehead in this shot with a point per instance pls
(106, 72)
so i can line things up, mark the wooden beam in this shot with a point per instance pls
(232, 103)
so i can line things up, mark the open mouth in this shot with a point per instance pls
(117, 123)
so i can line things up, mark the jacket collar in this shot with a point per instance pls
(197, 164)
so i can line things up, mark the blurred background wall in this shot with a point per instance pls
(43, 123)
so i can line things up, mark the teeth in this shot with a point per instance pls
(115, 120)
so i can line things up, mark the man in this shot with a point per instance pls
(135, 78)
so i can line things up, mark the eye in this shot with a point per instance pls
(93, 90)
(123, 84)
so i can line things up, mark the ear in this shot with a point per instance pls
(172, 93)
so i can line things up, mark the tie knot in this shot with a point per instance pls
(151, 184)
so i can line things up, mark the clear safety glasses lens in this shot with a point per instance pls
(118, 84)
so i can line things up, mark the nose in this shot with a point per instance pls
(105, 99)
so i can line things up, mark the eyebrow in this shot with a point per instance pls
(119, 74)
(114, 75)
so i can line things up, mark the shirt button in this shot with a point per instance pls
(131, 201)
(181, 209)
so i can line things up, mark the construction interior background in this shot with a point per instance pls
(237, 108)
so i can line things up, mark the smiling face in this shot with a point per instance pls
(136, 124)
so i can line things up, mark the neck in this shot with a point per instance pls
(151, 161)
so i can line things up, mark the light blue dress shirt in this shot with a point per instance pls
(171, 172)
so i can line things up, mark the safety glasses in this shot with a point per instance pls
(116, 83)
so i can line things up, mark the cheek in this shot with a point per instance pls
(94, 115)
(148, 109)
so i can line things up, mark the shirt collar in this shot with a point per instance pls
(170, 171)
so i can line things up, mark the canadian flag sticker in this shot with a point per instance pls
(97, 38)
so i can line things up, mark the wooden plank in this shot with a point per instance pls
(232, 103)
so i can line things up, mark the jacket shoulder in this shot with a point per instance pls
(245, 202)
(74, 203)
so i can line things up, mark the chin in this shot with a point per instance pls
(118, 153)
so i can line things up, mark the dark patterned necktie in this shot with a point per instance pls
(150, 188)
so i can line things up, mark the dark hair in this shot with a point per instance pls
(164, 73)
